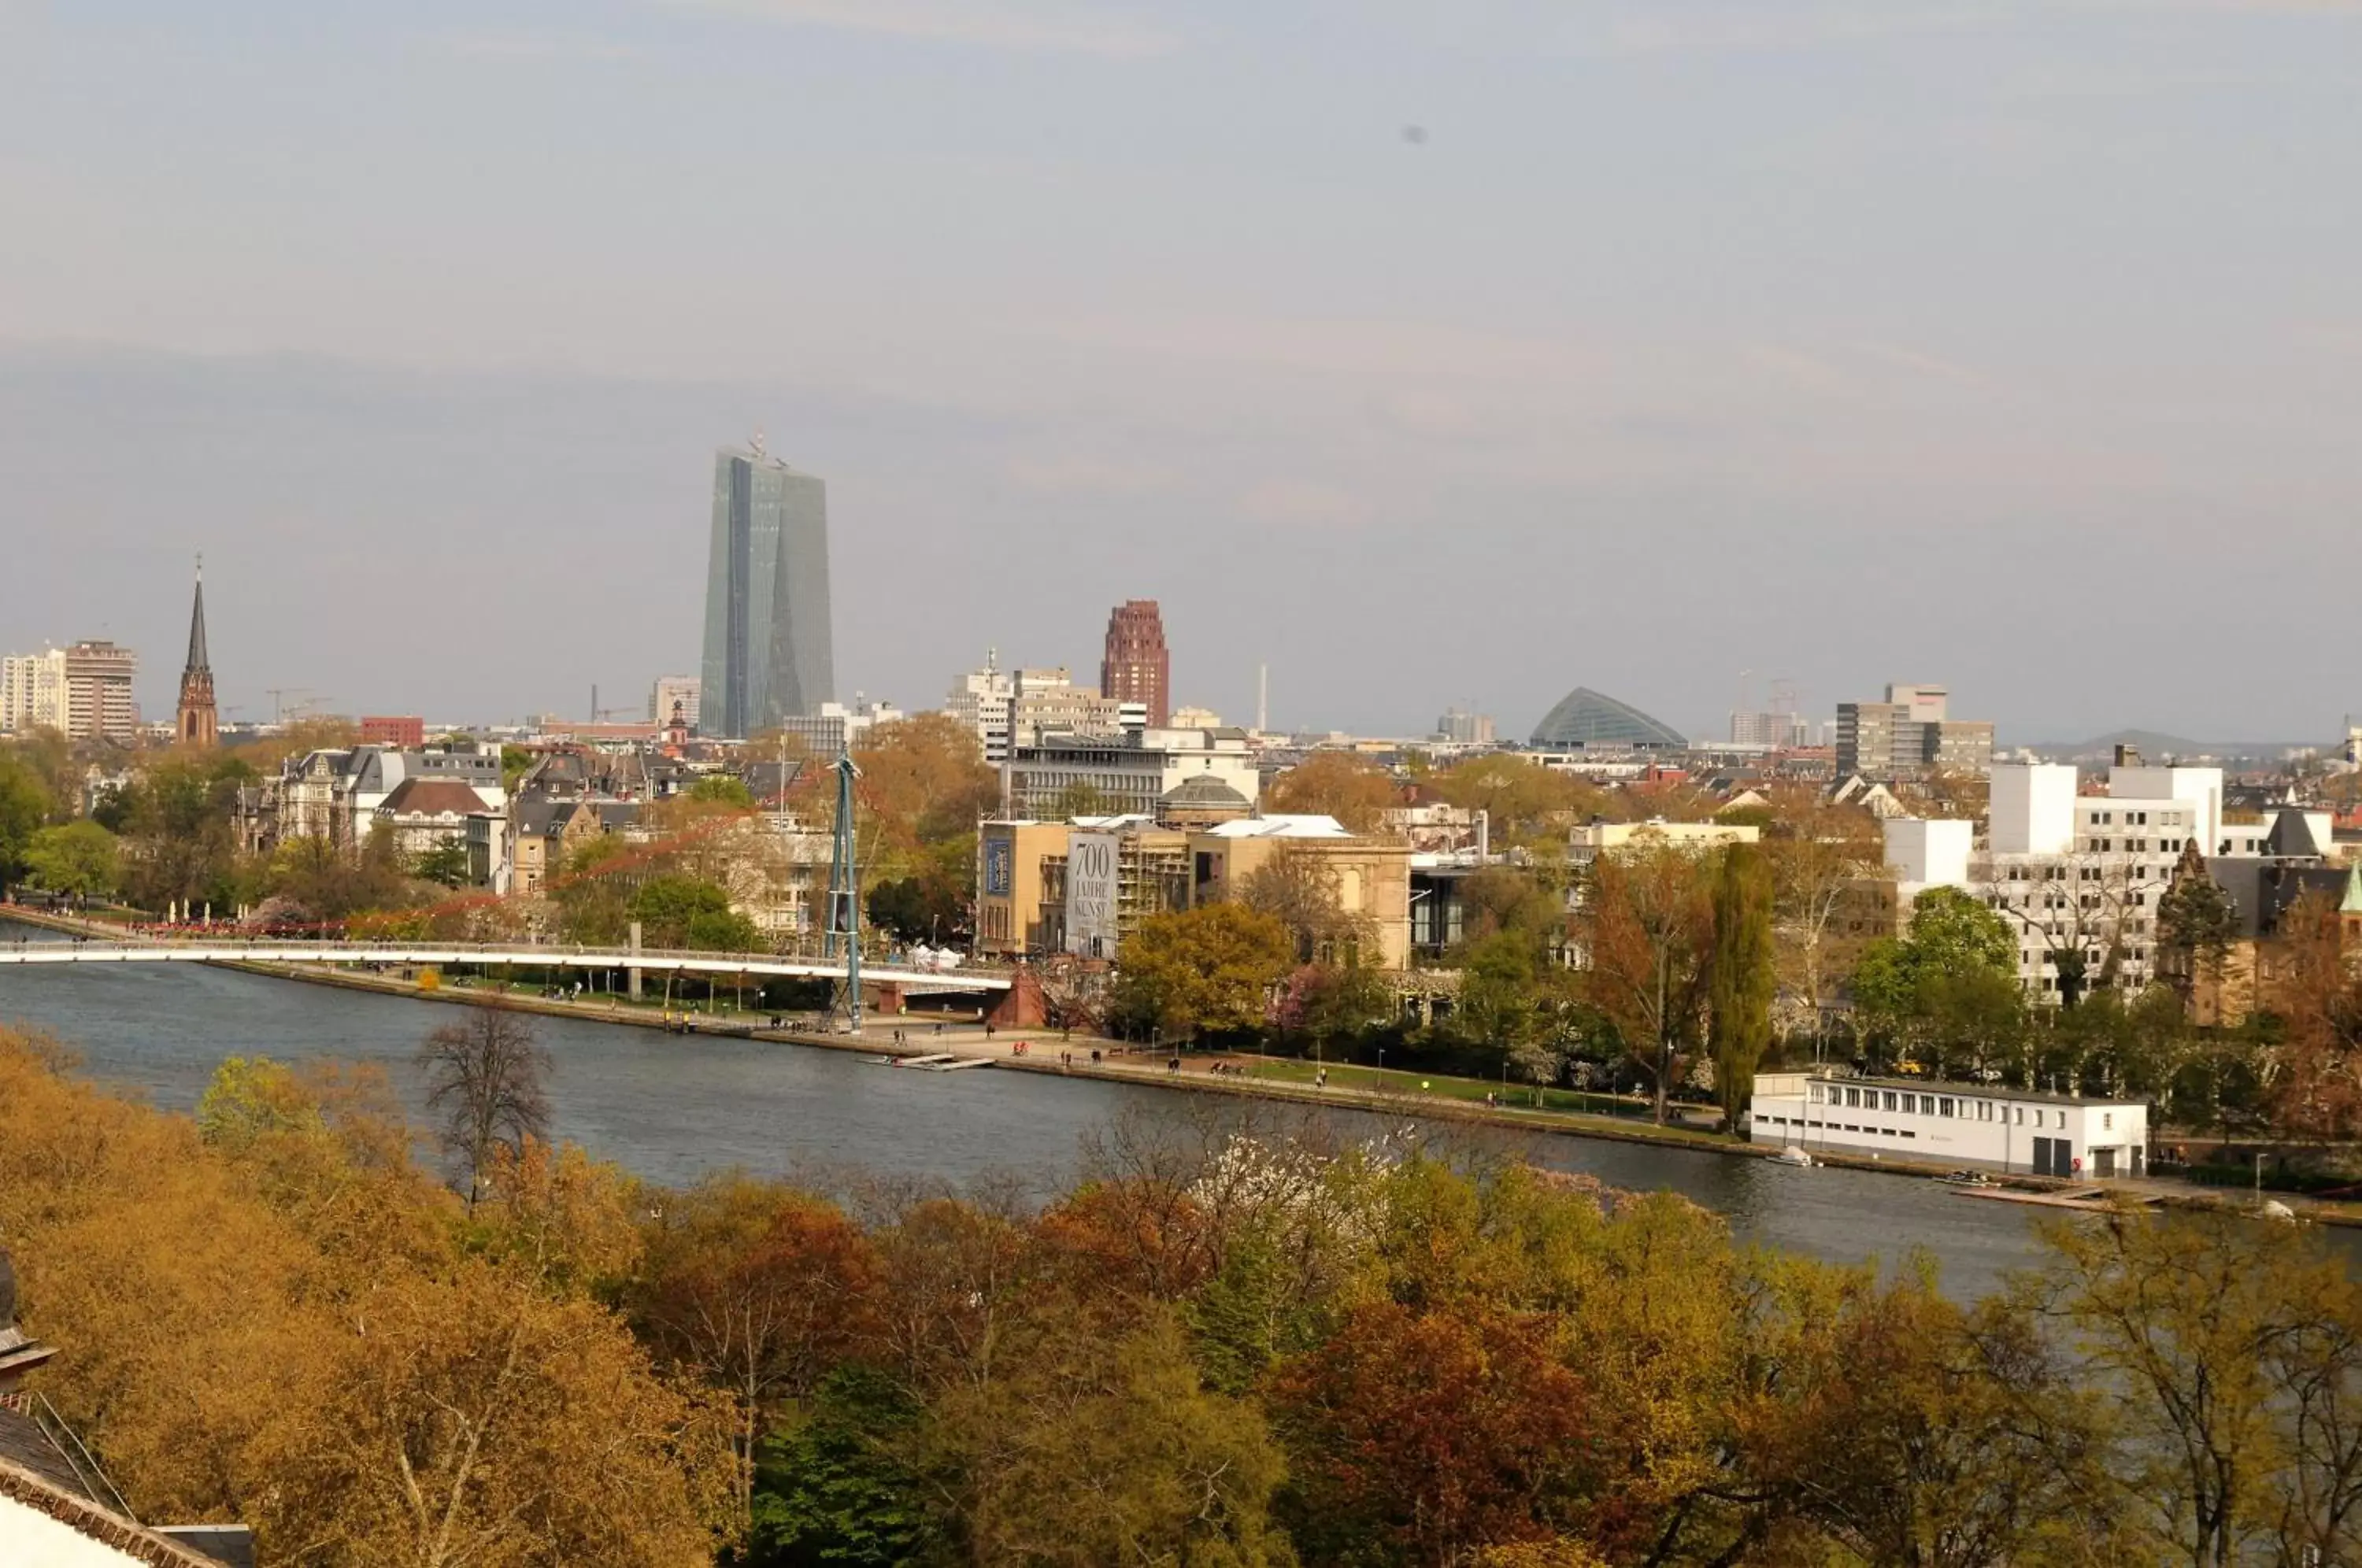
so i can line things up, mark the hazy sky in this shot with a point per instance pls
(2017, 346)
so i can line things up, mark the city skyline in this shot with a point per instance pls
(1647, 364)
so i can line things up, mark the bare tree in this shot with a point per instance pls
(1302, 890)
(1823, 858)
(484, 1081)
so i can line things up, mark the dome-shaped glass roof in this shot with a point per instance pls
(1584, 717)
(1205, 790)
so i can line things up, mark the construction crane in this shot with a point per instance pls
(279, 694)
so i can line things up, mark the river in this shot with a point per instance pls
(670, 1108)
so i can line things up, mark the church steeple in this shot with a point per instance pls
(198, 664)
(198, 725)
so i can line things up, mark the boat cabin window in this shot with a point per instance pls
(1947, 1106)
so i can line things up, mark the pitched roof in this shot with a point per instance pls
(432, 797)
(78, 1512)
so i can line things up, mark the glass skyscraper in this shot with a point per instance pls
(768, 648)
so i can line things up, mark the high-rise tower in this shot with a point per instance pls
(1137, 667)
(768, 651)
(198, 723)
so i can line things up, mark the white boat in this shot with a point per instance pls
(1792, 1155)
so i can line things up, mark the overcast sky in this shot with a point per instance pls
(2015, 346)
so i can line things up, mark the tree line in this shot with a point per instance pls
(1227, 1341)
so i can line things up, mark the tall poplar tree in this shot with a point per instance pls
(1740, 977)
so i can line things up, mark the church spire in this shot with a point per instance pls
(197, 661)
(198, 723)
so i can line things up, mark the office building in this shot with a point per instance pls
(1463, 728)
(195, 722)
(2078, 876)
(836, 726)
(98, 691)
(768, 652)
(1130, 773)
(673, 701)
(1780, 731)
(1138, 668)
(33, 692)
(397, 729)
(1909, 735)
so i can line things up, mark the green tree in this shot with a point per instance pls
(722, 789)
(1207, 970)
(675, 910)
(2196, 923)
(515, 763)
(1949, 985)
(79, 857)
(25, 805)
(1497, 1009)
(1741, 978)
(446, 864)
(833, 1490)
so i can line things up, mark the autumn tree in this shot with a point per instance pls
(1909, 1430)
(2226, 1358)
(1334, 784)
(1432, 1434)
(1524, 803)
(1106, 1447)
(1741, 981)
(1649, 925)
(924, 780)
(2311, 998)
(477, 1417)
(487, 1082)
(1208, 970)
(756, 1290)
(1821, 857)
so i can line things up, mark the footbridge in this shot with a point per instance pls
(909, 979)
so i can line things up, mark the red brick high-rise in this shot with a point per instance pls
(1137, 667)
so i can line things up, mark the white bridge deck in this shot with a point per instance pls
(268, 951)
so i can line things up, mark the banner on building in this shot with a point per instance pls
(1091, 862)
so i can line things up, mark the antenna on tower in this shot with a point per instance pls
(755, 444)
(1263, 698)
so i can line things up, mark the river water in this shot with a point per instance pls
(671, 1107)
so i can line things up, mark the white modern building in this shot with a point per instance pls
(1130, 773)
(33, 692)
(1009, 708)
(1971, 1126)
(672, 695)
(2073, 874)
